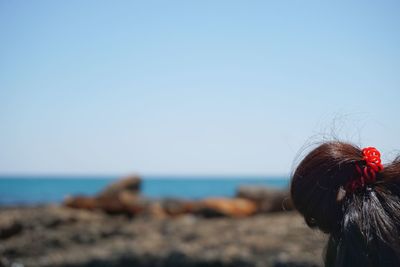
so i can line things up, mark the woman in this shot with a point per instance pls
(347, 193)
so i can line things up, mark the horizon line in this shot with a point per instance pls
(143, 176)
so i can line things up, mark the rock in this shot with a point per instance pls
(110, 205)
(231, 207)
(267, 199)
(121, 197)
(154, 211)
(9, 227)
(175, 207)
(122, 203)
(130, 184)
(81, 202)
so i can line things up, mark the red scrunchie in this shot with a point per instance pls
(367, 173)
(372, 158)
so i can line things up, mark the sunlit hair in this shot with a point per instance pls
(363, 225)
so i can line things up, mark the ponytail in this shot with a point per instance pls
(347, 193)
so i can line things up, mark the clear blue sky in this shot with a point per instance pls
(193, 87)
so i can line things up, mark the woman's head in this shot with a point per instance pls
(338, 189)
(317, 181)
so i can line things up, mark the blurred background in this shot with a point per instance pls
(202, 107)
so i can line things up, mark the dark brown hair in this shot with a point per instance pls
(363, 225)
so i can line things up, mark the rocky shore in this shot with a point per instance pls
(124, 197)
(90, 236)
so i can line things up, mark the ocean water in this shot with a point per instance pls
(30, 190)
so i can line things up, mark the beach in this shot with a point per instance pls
(58, 236)
(118, 227)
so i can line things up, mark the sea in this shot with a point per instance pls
(37, 190)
